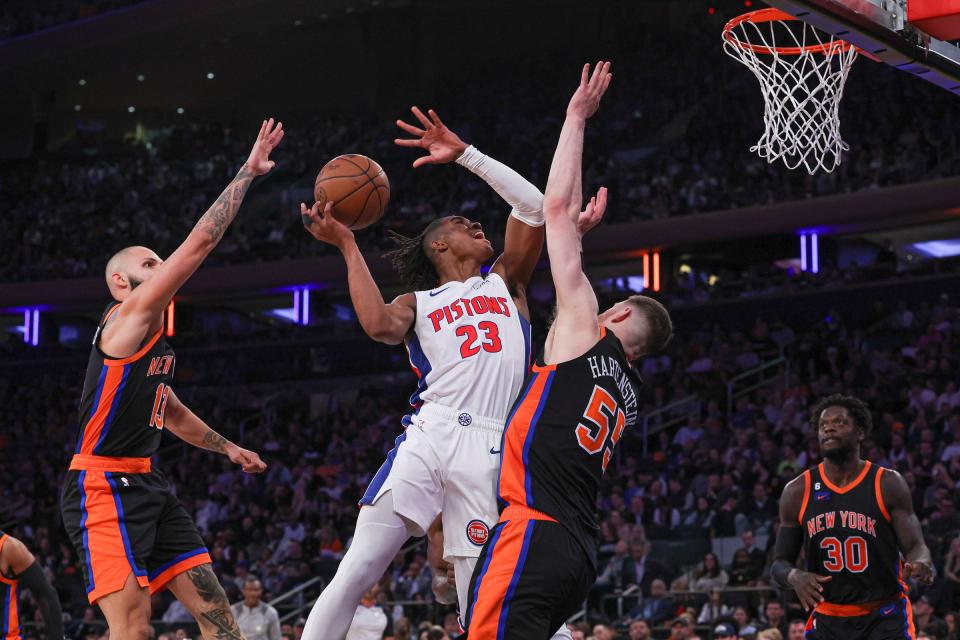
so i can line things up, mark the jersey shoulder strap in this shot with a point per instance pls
(878, 474)
(109, 311)
(806, 495)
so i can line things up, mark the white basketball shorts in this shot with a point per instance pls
(447, 461)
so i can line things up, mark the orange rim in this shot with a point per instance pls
(770, 15)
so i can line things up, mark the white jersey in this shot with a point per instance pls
(368, 624)
(470, 348)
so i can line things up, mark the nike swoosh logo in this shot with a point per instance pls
(495, 451)
(436, 293)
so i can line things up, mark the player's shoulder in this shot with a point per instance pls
(890, 479)
(798, 486)
(13, 552)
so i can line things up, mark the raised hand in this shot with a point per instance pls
(586, 99)
(435, 138)
(323, 226)
(809, 587)
(592, 214)
(269, 137)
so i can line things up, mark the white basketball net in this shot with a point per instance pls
(802, 79)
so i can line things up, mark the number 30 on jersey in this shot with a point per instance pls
(593, 432)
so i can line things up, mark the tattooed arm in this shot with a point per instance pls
(140, 313)
(185, 424)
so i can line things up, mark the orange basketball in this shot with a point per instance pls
(358, 188)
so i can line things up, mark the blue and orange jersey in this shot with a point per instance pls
(123, 401)
(561, 434)
(9, 618)
(848, 535)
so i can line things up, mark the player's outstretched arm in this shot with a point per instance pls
(18, 562)
(575, 328)
(524, 236)
(183, 423)
(895, 493)
(387, 323)
(807, 585)
(145, 303)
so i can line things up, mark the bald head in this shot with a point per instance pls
(128, 268)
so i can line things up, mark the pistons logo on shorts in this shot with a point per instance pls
(477, 532)
(465, 419)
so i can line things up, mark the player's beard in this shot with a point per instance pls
(134, 283)
(838, 454)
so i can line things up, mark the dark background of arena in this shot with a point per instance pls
(112, 133)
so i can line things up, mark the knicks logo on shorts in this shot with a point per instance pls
(477, 532)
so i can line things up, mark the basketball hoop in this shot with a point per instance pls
(802, 84)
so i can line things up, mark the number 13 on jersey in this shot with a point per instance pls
(592, 434)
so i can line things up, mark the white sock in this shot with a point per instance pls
(379, 535)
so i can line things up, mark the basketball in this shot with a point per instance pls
(357, 186)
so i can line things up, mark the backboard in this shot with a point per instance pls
(881, 29)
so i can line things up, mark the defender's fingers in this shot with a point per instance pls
(606, 83)
(409, 128)
(597, 73)
(435, 118)
(422, 160)
(277, 135)
(422, 118)
(602, 199)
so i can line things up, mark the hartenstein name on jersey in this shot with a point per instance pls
(607, 366)
(848, 520)
(475, 306)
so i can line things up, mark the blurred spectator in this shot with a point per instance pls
(256, 619)
(709, 576)
(714, 609)
(775, 617)
(724, 631)
(369, 621)
(401, 629)
(451, 624)
(757, 557)
(658, 606)
(796, 630)
(639, 630)
(640, 569)
(603, 632)
(681, 628)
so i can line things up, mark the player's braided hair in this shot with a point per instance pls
(857, 409)
(411, 261)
